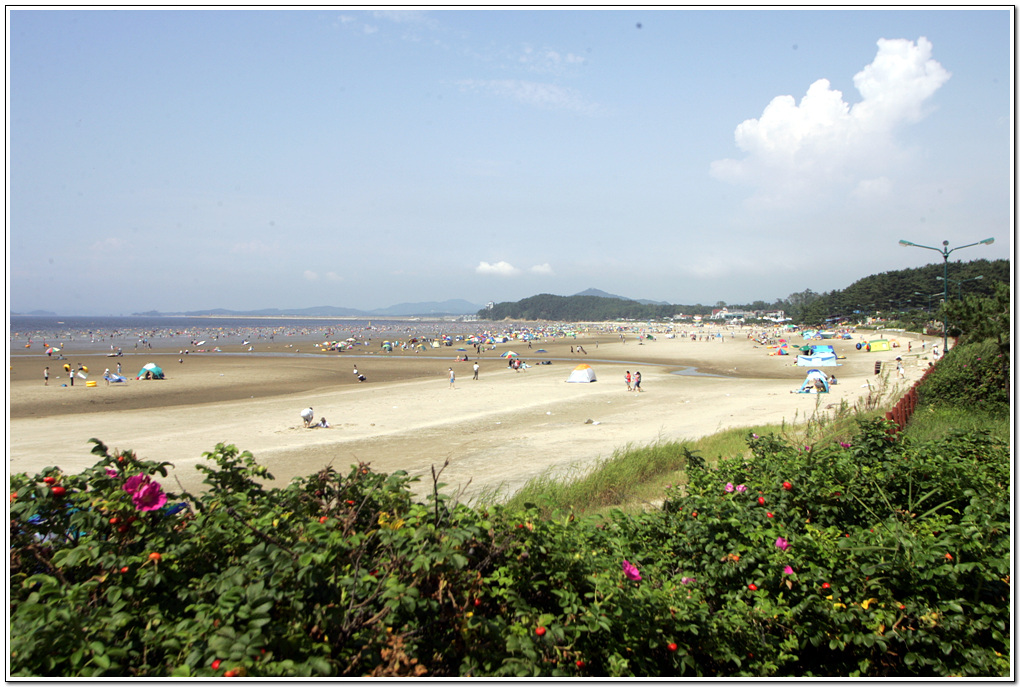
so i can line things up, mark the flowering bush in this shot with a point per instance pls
(886, 559)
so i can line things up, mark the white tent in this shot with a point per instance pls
(809, 386)
(582, 373)
(819, 359)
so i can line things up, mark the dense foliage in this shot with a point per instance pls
(874, 557)
(976, 373)
(914, 291)
(910, 294)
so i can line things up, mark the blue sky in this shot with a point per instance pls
(193, 159)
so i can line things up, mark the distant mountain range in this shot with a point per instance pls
(449, 308)
(603, 294)
(427, 309)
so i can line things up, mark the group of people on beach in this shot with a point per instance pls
(633, 383)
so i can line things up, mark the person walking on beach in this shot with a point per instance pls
(626, 378)
(637, 381)
(476, 370)
(453, 377)
(46, 376)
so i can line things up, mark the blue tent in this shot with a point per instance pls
(809, 386)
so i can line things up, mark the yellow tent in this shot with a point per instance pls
(880, 345)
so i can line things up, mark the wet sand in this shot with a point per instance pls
(497, 431)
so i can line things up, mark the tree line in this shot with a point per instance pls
(913, 289)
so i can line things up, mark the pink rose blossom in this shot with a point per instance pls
(729, 487)
(741, 488)
(787, 570)
(111, 472)
(149, 497)
(135, 482)
(631, 572)
(782, 544)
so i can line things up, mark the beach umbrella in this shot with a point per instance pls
(461, 349)
(541, 350)
(509, 354)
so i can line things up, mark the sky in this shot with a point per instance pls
(180, 160)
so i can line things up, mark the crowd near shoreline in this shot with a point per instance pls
(246, 386)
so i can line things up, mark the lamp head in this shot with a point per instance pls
(905, 243)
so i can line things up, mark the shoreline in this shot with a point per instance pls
(502, 429)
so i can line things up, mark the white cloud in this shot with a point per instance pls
(501, 268)
(311, 276)
(873, 189)
(795, 151)
(544, 268)
(255, 247)
(333, 276)
(543, 95)
(547, 60)
(107, 245)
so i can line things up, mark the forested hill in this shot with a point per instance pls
(908, 289)
(916, 288)
(546, 306)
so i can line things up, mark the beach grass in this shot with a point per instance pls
(636, 477)
(934, 422)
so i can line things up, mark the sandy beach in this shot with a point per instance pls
(497, 431)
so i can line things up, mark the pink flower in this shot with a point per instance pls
(149, 497)
(687, 580)
(146, 494)
(741, 488)
(729, 487)
(843, 444)
(631, 572)
(135, 482)
(782, 544)
(111, 472)
(787, 570)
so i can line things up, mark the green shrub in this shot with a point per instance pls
(974, 375)
(898, 555)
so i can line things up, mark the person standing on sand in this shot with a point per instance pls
(626, 378)
(637, 381)
(453, 377)
(46, 376)
(476, 370)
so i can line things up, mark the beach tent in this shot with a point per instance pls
(583, 373)
(155, 370)
(880, 345)
(808, 387)
(817, 359)
(116, 378)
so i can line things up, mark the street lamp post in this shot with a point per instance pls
(959, 284)
(929, 296)
(945, 250)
